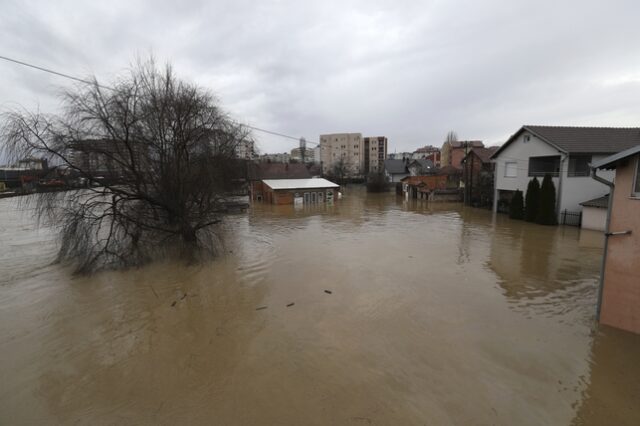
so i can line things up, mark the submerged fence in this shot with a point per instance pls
(570, 218)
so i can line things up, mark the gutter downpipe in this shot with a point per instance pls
(606, 238)
(563, 158)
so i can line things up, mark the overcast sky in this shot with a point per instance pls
(408, 70)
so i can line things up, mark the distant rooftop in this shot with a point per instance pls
(312, 183)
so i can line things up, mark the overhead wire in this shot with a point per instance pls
(95, 82)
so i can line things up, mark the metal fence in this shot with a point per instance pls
(570, 218)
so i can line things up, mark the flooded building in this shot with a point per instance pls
(257, 172)
(619, 304)
(478, 176)
(594, 213)
(299, 191)
(562, 152)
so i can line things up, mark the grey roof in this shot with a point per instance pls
(395, 166)
(582, 140)
(600, 202)
(610, 161)
(425, 163)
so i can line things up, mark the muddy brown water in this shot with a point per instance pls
(437, 314)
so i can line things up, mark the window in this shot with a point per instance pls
(511, 169)
(540, 166)
(635, 190)
(579, 165)
(526, 138)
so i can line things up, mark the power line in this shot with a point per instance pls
(61, 74)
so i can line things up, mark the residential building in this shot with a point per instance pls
(245, 149)
(619, 301)
(396, 170)
(400, 156)
(421, 167)
(562, 152)
(452, 153)
(428, 152)
(344, 148)
(431, 188)
(299, 191)
(478, 177)
(375, 152)
(309, 155)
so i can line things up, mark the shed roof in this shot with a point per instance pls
(312, 183)
(600, 202)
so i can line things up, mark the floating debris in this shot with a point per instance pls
(261, 308)
(290, 304)
(328, 291)
(174, 303)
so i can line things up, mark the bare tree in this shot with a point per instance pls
(156, 154)
(341, 169)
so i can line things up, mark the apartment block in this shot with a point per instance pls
(375, 152)
(345, 147)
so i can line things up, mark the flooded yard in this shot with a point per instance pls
(371, 311)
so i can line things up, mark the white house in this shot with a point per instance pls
(563, 152)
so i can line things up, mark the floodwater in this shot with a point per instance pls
(437, 314)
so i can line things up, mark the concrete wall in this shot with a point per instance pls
(621, 293)
(594, 218)
(576, 190)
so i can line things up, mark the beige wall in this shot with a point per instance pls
(621, 292)
(349, 146)
(594, 218)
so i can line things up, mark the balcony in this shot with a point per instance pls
(540, 166)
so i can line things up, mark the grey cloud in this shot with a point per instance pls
(411, 70)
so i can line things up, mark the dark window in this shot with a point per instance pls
(540, 166)
(579, 165)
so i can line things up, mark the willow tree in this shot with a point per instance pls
(154, 156)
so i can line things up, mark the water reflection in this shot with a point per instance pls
(437, 314)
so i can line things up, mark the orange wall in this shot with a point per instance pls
(621, 291)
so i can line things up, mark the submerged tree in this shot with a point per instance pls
(377, 182)
(155, 157)
(547, 207)
(532, 200)
(516, 207)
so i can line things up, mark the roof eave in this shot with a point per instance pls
(611, 161)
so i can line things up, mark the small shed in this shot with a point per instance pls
(594, 213)
(299, 191)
